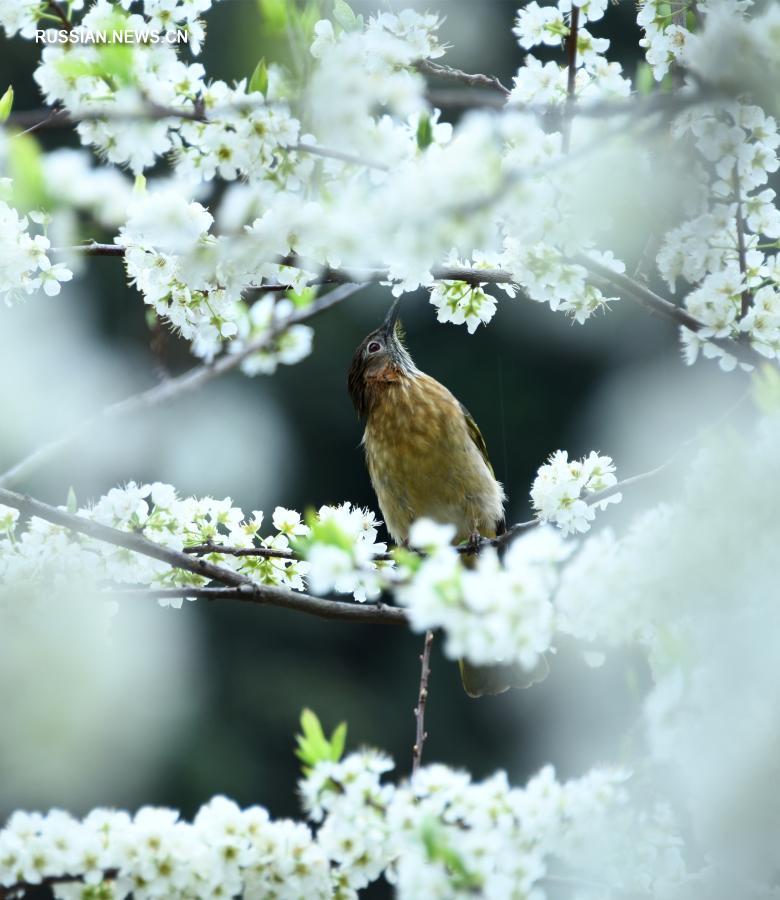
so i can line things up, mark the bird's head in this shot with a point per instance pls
(380, 360)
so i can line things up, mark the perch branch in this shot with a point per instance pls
(239, 587)
(271, 595)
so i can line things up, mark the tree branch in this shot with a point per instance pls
(172, 387)
(428, 67)
(130, 540)
(634, 290)
(271, 595)
(639, 293)
(240, 587)
(422, 698)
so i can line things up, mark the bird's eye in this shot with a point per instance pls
(374, 347)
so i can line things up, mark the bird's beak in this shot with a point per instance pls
(388, 326)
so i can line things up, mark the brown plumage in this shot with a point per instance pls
(426, 458)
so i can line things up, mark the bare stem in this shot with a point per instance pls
(422, 698)
(448, 73)
(61, 14)
(571, 81)
(641, 294)
(747, 296)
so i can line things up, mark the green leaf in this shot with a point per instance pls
(114, 66)
(303, 298)
(6, 102)
(274, 13)
(116, 61)
(344, 15)
(644, 80)
(72, 504)
(314, 747)
(766, 389)
(338, 741)
(310, 15)
(26, 172)
(258, 83)
(424, 132)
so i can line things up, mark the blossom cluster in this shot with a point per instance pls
(387, 204)
(155, 511)
(665, 37)
(721, 250)
(438, 835)
(24, 262)
(490, 611)
(183, 274)
(460, 302)
(561, 488)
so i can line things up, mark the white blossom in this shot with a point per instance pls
(560, 489)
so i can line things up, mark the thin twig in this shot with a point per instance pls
(263, 552)
(61, 14)
(571, 80)
(641, 294)
(428, 67)
(747, 296)
(422, 698)
(173, 387)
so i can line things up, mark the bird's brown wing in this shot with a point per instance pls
(479, 441)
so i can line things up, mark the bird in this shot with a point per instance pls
(427, 458)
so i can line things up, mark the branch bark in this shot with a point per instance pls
(448, 73)
(571, 77)
(422, 698)
(29, 506)
(271, 595)
(639, 293)
(238, 586)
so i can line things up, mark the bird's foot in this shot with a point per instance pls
(474, 542)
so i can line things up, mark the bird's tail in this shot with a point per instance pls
(481, 680)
